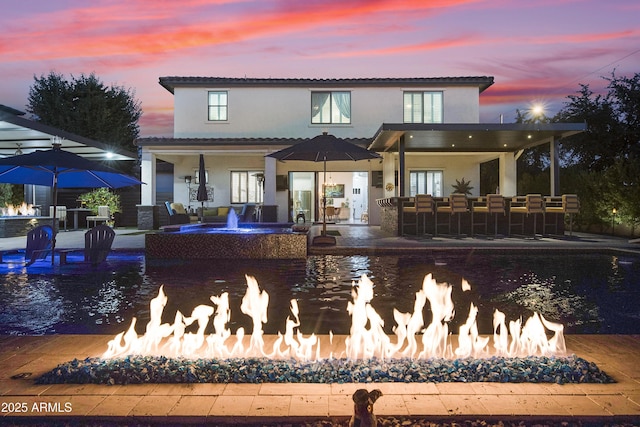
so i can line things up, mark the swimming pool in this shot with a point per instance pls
(588, 293)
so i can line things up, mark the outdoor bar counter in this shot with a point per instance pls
(395, 220)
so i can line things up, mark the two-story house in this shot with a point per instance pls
(426, 129)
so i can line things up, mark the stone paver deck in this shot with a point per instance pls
(251, 403)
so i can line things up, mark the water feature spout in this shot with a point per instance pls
(232, 219)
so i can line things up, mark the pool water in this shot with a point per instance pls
(588, 293)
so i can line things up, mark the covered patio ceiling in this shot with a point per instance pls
(470, 137)
(28, 135)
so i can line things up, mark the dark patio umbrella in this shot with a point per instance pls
(202, 186)
(60, 169)
(324, 148)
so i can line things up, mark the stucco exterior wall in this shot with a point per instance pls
(453, 168)
(285, 112)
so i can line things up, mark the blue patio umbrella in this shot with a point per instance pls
(57, 168)
(202, 195)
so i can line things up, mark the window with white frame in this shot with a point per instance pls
(423, 107)
(218, 106)
(331, 107)
(246, 186)
(426, 182)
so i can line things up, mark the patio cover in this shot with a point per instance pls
(32, 136)
(470, 137)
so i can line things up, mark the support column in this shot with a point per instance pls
(148, 212)
(401, 163)
(508, 175)
(388, 173)
(269, 181)
(554, 168)
(148, 176)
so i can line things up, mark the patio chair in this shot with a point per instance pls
(531, 204)
(103, 216)
(492, 204)
(568, 204)
(61, 215)
(177, 213)
(38, 244)
(422, 204)
(97, 243)
(456, 204)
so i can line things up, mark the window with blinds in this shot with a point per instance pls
(426, 182)
(423, 107)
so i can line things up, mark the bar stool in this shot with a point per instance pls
(455, 205)
(492, 204)
(568, 204)
(531, 204)
(423, 204)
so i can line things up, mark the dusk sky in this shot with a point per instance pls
(538, 50)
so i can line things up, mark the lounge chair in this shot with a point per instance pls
(422, 204)
(103, 216)
(456, 204)
(38, 244)
(177, 213)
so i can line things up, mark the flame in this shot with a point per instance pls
(23, 209)
(366, 339)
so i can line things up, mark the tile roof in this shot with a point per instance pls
(171, 82)
(237, 142)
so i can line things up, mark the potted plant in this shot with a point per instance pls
(462, 187)
(102, 197)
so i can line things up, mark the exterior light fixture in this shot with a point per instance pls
(538, 110)
(187, 179)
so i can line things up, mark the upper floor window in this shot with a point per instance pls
(218, 107)
(331, 107)
(425, 182)
(423, 107)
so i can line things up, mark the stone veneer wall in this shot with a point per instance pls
(148, 217)
(389, 215)
(15, 226)
(226, 246)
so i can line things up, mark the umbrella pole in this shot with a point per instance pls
(323, 239)
(324, 200)
(55, 212)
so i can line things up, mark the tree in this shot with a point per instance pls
(533, 165)
(607, 156)
(86, 107)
